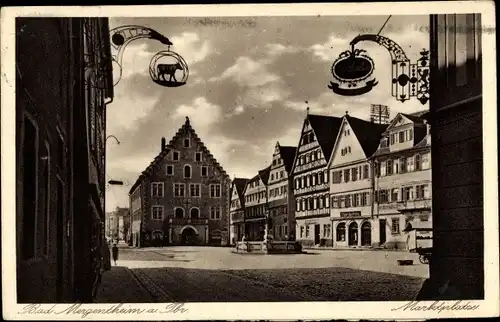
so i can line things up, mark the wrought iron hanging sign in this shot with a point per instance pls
(353, 71)
(166, 67)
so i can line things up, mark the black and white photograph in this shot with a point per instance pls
(296, 161)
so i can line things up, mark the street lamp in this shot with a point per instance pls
(353, 71)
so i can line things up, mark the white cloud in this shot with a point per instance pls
(191, 47)
(248, 72)
(127, 109)
(329, 50)
(135, 60)
(201, 113)
(274, 50)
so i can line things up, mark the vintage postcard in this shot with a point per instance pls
(250, 161)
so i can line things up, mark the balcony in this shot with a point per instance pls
(411, 205)
(187, 221)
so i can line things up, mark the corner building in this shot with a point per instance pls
(351, 185)
(310, 175)
(182, 198)
(403, 181)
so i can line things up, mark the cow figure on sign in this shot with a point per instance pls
(168, 69)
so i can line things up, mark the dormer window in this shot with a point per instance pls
(383, 143)
(187, 143)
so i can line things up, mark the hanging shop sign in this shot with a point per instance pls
(353, 71)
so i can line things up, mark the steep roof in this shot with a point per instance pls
(240, 183)
(288, 155)
(264, 174)
(367, 133)
(184, 129)
(326, 129)
(415, 117)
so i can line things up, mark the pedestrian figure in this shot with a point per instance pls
(115, 253)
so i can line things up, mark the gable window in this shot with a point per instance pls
(179, 212)
(401, 136)
(311, 137)
(214, 213)
(179, 190)
(393, 138)
(215, 191)
(204, 171)
(187, 171)
(197, 156)
(383, 143)
(30, 195)
(194, 190)
(157, 189)
(187, 143)
(282, 174)
(157, 212)
(194, 213)
(170, 170)
(176, 156)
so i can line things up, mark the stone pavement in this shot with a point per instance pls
(119, 285)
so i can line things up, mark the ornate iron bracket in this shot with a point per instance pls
(355, 66)
(121, 37)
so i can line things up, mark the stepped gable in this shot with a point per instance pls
(264, 174)
(326, 129)
(367, 133)
(288, 155)
(186, 128)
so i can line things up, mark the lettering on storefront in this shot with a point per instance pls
(350, 214)
(387, 206)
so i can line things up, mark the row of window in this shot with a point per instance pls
(157, 190)
(308, 138)
(254, 184)
(279, 191)
(281, 231)
(305, 231)
(198, 156)
(351, 200)
(281, 175)
(277, 161)
(255, 196)
(417, 192)
(235, 204)
(352, 174)
(345, 151)
(312, 179)
(255, 211)
(188, 173)
(309, 157)
(402, 165)
(313, 203)
(194, 213)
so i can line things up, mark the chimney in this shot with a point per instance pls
(163, 144)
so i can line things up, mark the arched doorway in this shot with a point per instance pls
(195, 213)
(179, 213)
(366, 234)
(188, 236)
(341, 232)
(353, 234)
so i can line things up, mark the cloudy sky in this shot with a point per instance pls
(248, 83)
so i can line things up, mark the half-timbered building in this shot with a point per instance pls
(237, 210)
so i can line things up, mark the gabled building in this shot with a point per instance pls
(351, 184)
(311, 188)
(403, 181)
(237, 210)
(256, 205)
(281, 201)
(182, 198)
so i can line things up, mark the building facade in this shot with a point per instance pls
(116, 223)
(237, 210)
(311, 177)
(256, 205)
(281, 201)
(457, 164)
(183, 195)
(403, 181)
(351, 184)
(62, 88)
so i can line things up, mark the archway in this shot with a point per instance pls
(188, 235)
(341, 232)
(195, 213)
(353, 234)
(179, 213)
(366, 234)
